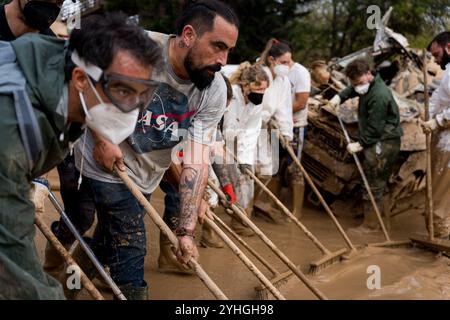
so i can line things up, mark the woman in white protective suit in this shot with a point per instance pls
(241, 129)
(277, 107)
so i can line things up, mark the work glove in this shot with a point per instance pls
(335, 101)
(39, 192)
(243, 168)
(429, 126)
(354, 148)
(229, 192)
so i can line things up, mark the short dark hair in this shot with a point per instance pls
(441, 39)
(201, 15)
(357, 68)
(102, 36)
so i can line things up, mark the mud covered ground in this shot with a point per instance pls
(406, 273)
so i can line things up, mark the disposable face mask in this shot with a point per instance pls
(281, 70)
(106, 119)
(40, 14)
(362, 89)
(256, 98)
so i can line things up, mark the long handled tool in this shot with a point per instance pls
(85, 281)
(209, 283)
(389, 242)
(366, 183)
(174, 176)
(328, 257)
(311, 183)
(243, 217)
(431, 242)
(278, 280)
(248, 263)
(86, 248)
(245, 245)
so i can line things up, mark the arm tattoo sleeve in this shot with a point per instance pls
(192, 185)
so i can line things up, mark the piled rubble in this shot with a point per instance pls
(325, 156)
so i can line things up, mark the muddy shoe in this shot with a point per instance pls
(54, 263)
(167, 261)
(210, 239)
(371, 223)
(134, 293)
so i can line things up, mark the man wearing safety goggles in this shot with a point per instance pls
(48, 90)
(187, 106)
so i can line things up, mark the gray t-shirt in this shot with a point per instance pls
(178, 111)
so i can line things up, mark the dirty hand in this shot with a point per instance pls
(429, 126)
(107, 154)
(335, 101)
(187, 249)
(229, 192)
(39, 192)
(354, 147)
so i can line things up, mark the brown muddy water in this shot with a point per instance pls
(404, 273)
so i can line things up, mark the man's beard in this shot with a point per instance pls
(445, 59)
(200, 77)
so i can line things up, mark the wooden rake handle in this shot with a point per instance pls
(156, 218)
(85, 281)
(311, 183)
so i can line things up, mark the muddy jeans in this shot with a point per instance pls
(171, 204)
(78, 204)
(379, 161)
(120, 240)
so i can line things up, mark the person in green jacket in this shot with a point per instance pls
(379, 132)
(48, 89)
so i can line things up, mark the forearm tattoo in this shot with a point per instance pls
(192, 185)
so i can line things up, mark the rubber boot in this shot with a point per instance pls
(54, 263)
(209, 238)
(167, 260)
(240, 227)
(370, 223)
(85, 263)
(264, 205)
(298, 192)
(134, 293)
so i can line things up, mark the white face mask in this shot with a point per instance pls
(281, 70)
(362, 89)
(108, 120)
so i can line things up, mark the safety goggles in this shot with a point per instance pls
(122, 91)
